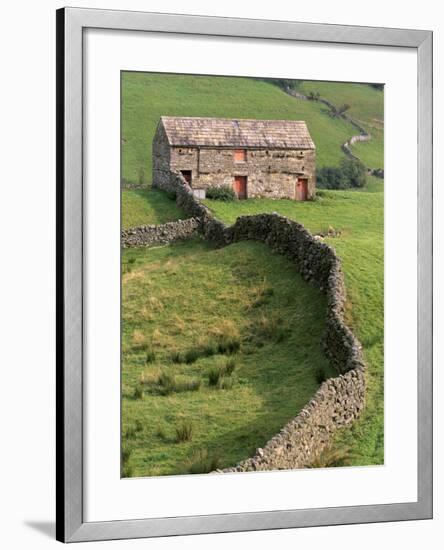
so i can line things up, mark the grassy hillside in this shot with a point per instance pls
(359, 216)
(189, 311)
(148, 206)
(366, 106)
(145, 97)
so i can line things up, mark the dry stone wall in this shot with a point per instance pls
(151, 235)
(339, 400)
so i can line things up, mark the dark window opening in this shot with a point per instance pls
(187, 176)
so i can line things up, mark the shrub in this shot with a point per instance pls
(171, 195)
(354, 171)
(223, 193)
(350, 173)
(184, 431)
(330, 177)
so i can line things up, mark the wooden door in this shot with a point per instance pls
(186, 176)
(301, 189)
(240, 186)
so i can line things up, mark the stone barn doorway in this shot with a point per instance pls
(240, 186)
(301, 191)
(187, 176)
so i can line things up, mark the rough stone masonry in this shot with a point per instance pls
(257, 158)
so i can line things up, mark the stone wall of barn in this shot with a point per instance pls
(161, 159)
(339, 401)
(270, 173)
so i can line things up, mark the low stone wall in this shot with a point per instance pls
(338, 401)
(346, 147)
(151, 235)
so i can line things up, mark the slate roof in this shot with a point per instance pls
(237, 133)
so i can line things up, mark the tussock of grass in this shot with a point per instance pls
(220, 376)
(230, 365)
(333, 458)
(139, 342)
(163, 382)
(228, 345)
(268, 328)
(201, 462)
(138, 392)
(184, 431)
(225, 383)
(214, 375)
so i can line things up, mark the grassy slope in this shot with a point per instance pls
(359, 215)
(148, 206)
(173, 298)
(148, 96)
(366, 106)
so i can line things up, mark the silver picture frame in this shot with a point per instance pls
(71, 24)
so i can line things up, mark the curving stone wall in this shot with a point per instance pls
(151, 235)
(339, 400)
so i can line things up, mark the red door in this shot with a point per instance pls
(301, 189)
(240, 186)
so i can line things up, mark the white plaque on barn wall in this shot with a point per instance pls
(231, 274)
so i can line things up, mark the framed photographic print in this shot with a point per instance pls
(244, 270)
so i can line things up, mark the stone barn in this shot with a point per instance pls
(257, 158)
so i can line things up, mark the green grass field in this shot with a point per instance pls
(145, 97)
(148, 206)
(359, 216)
(187, 308)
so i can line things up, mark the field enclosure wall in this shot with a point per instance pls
(151, 235)
(339, 400)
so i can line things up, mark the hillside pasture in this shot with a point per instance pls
(358, 217)
(148, 96)
(220, 348)
(366, 107)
